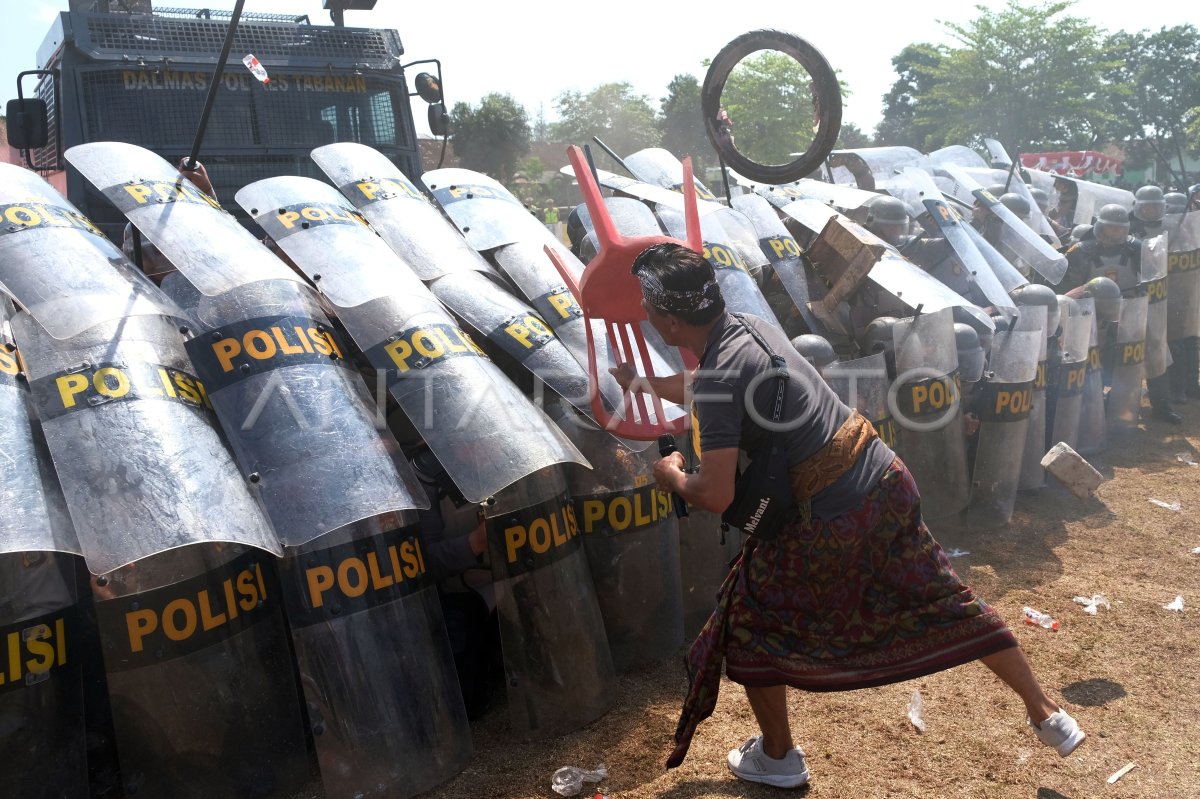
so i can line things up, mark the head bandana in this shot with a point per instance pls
(674, 301)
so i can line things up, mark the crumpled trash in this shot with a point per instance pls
(957, 553)
(569, 780)
(1196, 551)
(1175, 506)
(916, 710)
(1176, 605)
(1186, 457)
(1093, 603)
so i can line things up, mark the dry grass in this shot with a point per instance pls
(1128, 674)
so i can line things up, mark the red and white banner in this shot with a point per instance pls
(1077, 163)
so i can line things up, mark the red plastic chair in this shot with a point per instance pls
(609, 291)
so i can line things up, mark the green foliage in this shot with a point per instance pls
(916, 67)
(682, 123)
(492, 137)
(1027, 76)
(769, 100)
(852, 136)
(621, 119)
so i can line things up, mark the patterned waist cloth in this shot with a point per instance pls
(864, 599)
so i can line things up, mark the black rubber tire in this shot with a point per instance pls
(826, 92)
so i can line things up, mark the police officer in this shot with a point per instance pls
(1149, 210)
(1043, 203)
(1113, 253)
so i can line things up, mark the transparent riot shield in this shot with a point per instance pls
(33, 512)
(657, 195)
(956, 154)
(1128, 363)
(1093, 429)
(60, 267)
(738, 287)
(526, 263)
(1003, 407)
(870, 165)
(1072, 374)
(844, 198)
(168, 209)
(201, 676)
(631, 540)
(43, 740)
(1008, 275)
(783, 254)
(384, 705)
(1154, 282)
(558, 666)
(487, 214)
(398, 211)
(1032, 474)
(1183, 279)
(1018, 242)
(1037, 220)
(915, 186)
(1091, 196)
(301, 422)
(137, 449)
(863, 384)
(660, 167)
(926, 403)
(454, 396)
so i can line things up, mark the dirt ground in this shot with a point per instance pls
(1128, 674)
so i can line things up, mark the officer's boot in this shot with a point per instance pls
(1160, 403)
(1177, 371)
(1191, 371)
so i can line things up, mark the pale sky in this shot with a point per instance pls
(535, 51)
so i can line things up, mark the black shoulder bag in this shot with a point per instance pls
(762, 496)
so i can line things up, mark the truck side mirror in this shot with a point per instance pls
(428, 87)
(439, 119)
(27, 123)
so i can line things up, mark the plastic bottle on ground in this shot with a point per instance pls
(1041, 619)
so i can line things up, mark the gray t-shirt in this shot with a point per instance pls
(733, 366)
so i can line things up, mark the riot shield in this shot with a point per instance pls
(384, 707)
(442, 380)
(1072, 374)
(43, 742)
(916, 187)
(863, 384)
(487, 213)
(60, 267)
(1091, 196)
(956, 154)
(525, 262)
(557, 663)
(398, 211)
(1154, 281)
(168, 209)
(631, 540)
(1018, 242)
(660, 167)
(1183, 279)
(738, 287)
(1124, 403)
(1003, 406)
(1008, 275)
(1032, 474)
(926, 403)
(33, 512)
(870, 165)
(296, 413)
(1093, 430)
(201, 676)
(142, 464)
(645, 191)
(1037, 220)
(845, 198)
(739, 232)
(783, 255)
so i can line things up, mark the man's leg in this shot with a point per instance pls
(1011, 666)
(770, 709)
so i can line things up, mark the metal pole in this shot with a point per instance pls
(613, 156)
(190, 163)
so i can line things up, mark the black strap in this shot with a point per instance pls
(777, 363)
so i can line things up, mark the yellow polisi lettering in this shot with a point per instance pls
(1013, 403)
(1075, 377)
(69, 386)
(1133, 353)
(31, 652)
(563, 303)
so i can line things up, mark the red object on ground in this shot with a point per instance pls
(609, 291)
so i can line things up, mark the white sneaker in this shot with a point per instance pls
(749, 762)
(1060, 731)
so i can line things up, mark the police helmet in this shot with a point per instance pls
(1016, 203)
(877, 337)
(1041, 198)
(1108, 298)
(1032, 294)
(997, 190)
(1112, 225)
(1067, 307)
(1081, 232)
(816, 349)
(576, 228)
(1174, 202)
(1149, 204)
(970, 352)
(887, 218)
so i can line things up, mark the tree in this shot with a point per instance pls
(1153, 86)
(915, 67)
(621, 119)
(852, 136)
(769, 100)
(492, 137)
(682, 122)
(1026, 76)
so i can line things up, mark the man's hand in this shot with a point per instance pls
(668, 471)
(199, 176)
(624, 374)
